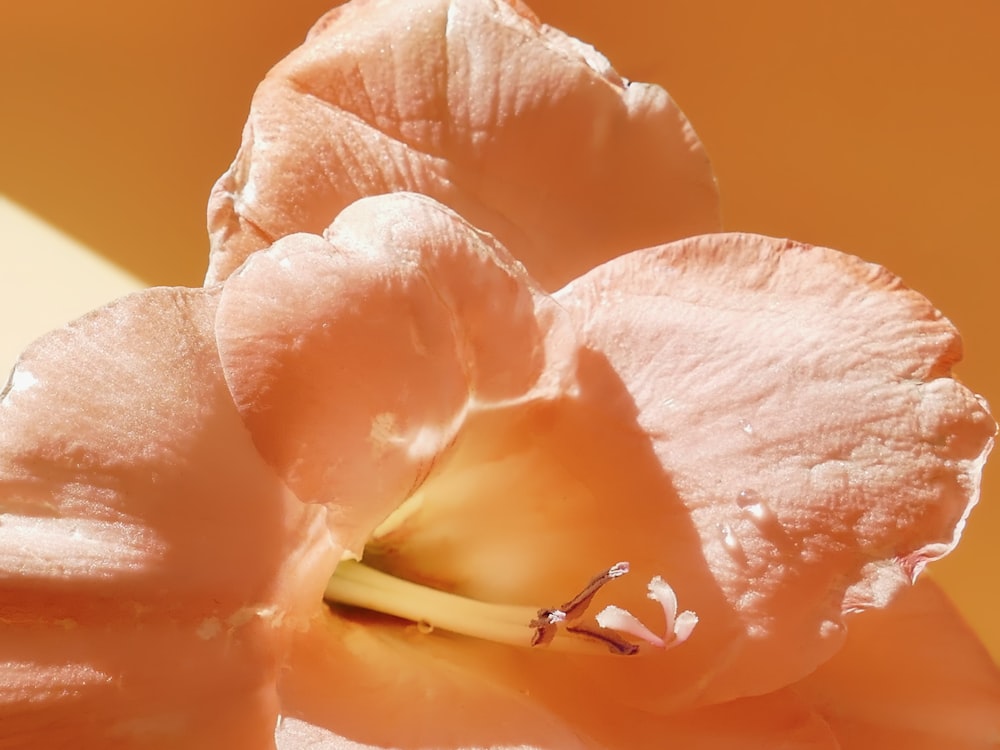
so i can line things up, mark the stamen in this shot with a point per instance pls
(546, 622)
(577, 606)
(355, 584)
(615, 643)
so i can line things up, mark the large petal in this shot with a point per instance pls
(344, 676)
(799, 401)
(451, 692)
(775, 720)
(911, 675)
(357, 685)
(523, 130)
(355, 358)
(143, 543)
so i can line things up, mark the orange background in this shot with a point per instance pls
(872, 126)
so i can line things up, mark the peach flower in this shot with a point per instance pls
(379, 486)
(526, 132)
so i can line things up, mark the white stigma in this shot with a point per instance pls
(677, 628)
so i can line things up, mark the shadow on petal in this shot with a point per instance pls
(143, 541)
(911, 675)
(532, 502)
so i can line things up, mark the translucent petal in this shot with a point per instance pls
(911, 675)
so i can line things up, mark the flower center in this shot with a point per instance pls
(563, 628)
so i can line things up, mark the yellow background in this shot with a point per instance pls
(872, 126)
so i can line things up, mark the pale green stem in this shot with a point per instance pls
(358, 585)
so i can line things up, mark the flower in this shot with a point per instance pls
(766, 432)
(525, 131)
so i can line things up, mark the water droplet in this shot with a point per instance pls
(425, 627)
(731, 543)
(746, 427)
(754, 507)
(829, 629)
(729, 540)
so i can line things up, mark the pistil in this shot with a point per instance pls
(355, 584)
(358, 585)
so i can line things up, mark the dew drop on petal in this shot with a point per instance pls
(760, 513)
(746, 427)
(731, 543)
(729, 540)
(755, 507)
(830, 629)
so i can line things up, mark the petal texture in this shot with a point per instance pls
(144, 546)
(911, 675)
(799, 402)
(523, 130)
(354, 359)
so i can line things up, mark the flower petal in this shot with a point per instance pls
(798, 399)
(134, 682)
(355, 359)
(911, 675)
(143, 543)
(781, 719)
(776, 720)
(352, 684)
(526, 132)
(532, 502)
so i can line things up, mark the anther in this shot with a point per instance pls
(614, 622)
(548, 620)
